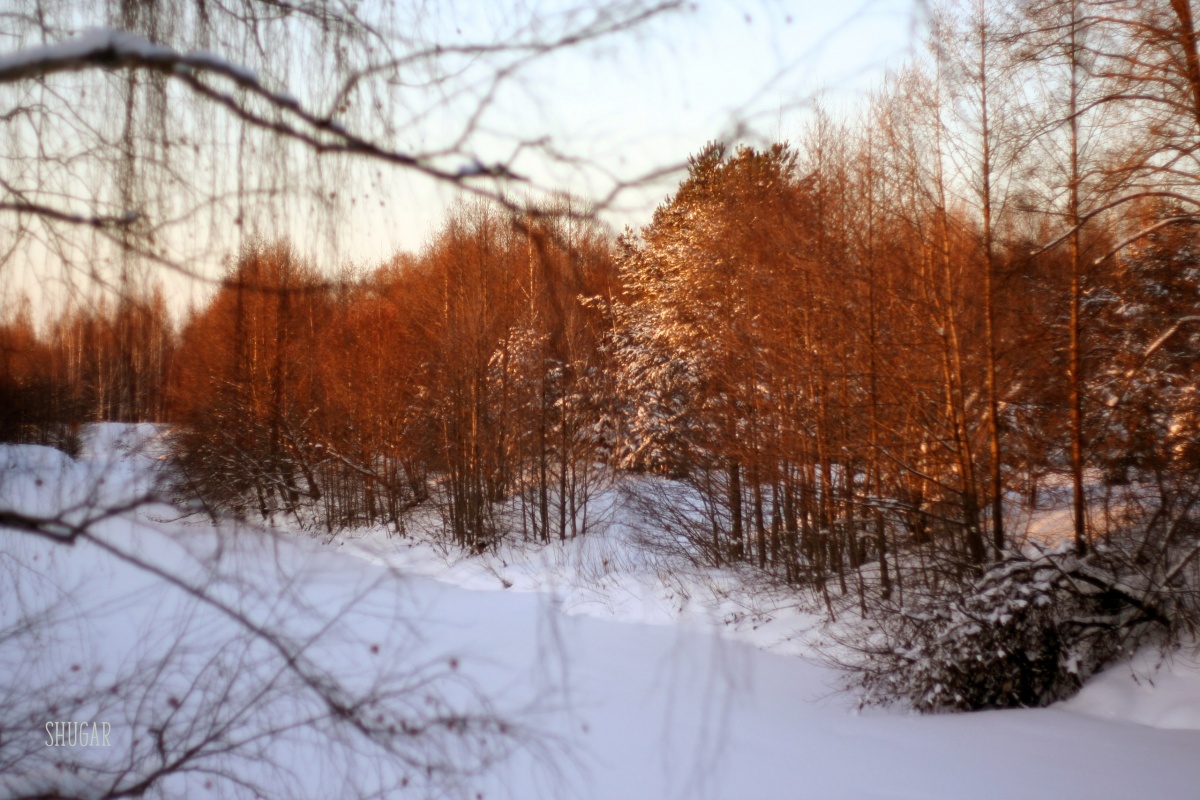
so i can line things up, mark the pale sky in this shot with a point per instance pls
(729, 70)
(726, 69)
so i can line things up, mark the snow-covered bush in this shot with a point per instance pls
(1027, 632)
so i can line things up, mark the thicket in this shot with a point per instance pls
(95, 362)
(468, 378)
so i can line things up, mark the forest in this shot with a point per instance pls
(857, 365)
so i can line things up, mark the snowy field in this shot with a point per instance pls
(626, 686)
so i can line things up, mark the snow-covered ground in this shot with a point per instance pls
(639, 685)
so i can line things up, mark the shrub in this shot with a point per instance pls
(1027, 632)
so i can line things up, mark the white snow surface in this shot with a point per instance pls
(1162, 691)
(649, 686)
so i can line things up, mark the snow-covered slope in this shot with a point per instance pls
(641, 686)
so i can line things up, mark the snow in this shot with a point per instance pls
(647, 685)
(79, 52)
(1149, 689)
(89, 44)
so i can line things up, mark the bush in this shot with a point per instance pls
(1028, 632)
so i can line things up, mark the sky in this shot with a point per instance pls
(620, 108)
(724, 70)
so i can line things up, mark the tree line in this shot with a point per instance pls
(469, 375)
(101, 361)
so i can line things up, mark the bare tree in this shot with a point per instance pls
(171, 117)
(243, 679)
